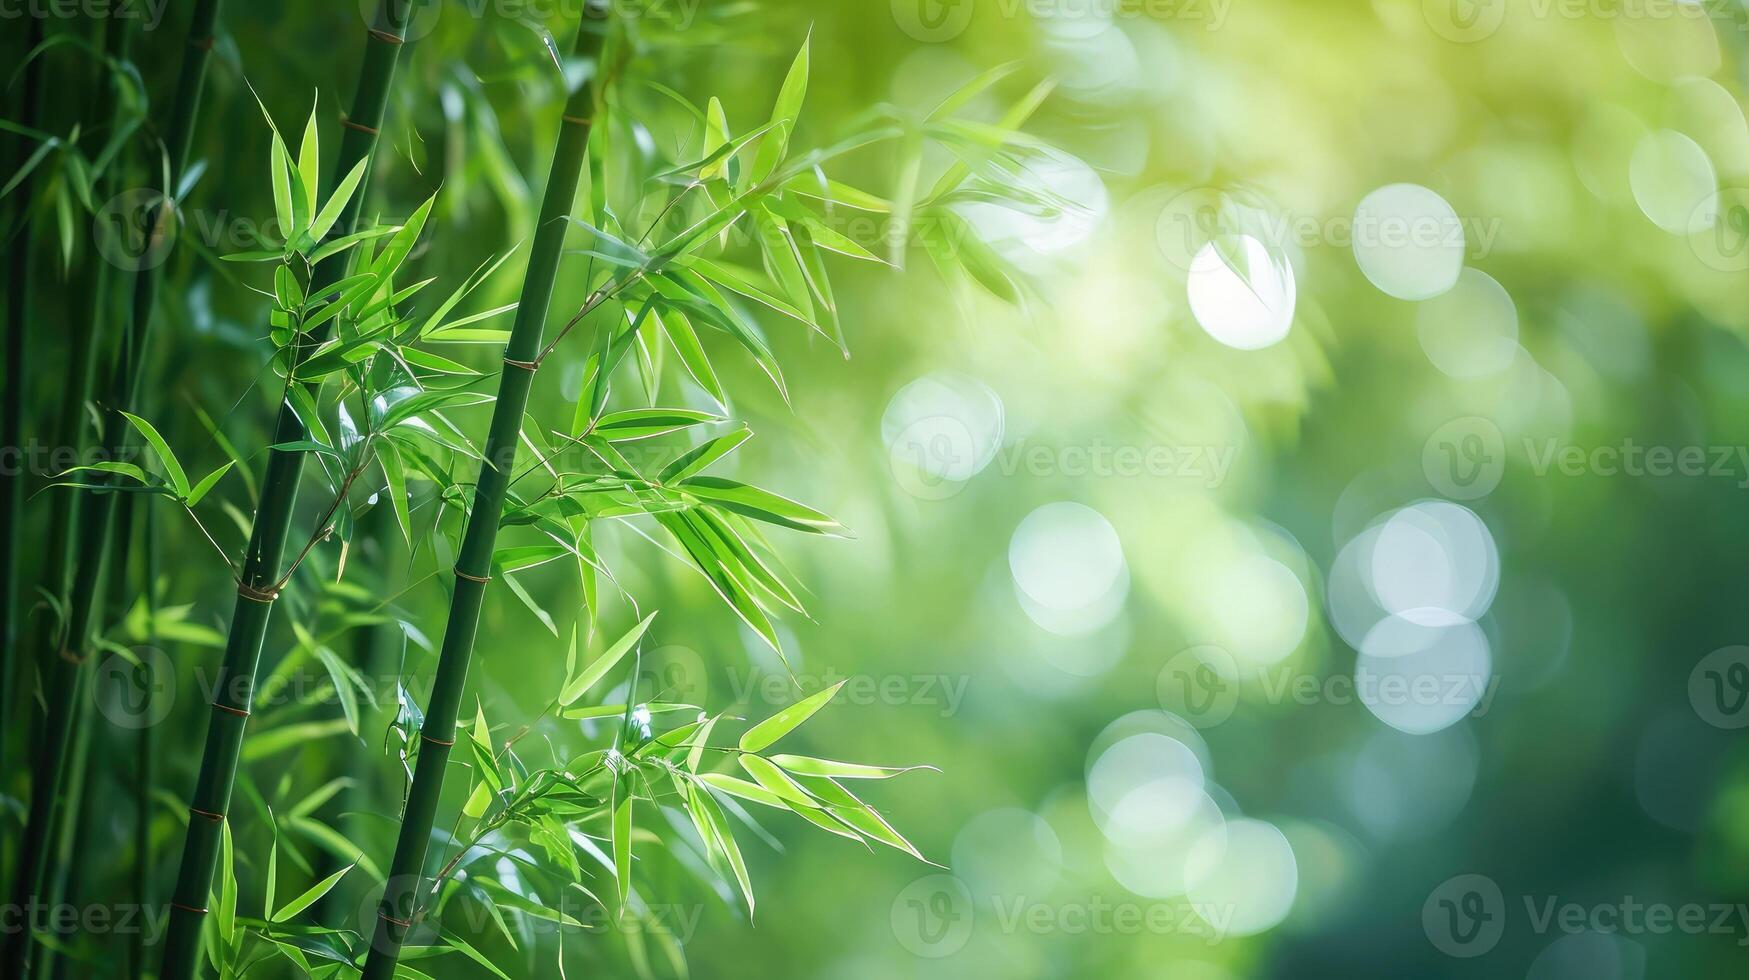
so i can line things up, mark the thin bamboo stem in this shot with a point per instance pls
(18, 277)
(261, 578)
(398, 908)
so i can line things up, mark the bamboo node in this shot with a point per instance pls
(385, 36)
(207, 814)
(580, 120)
(187, 908)
(386, 917)
(481, 579)
(239, 712)
(253, 594)
(529, 366)
(201, 43)
(361, 127)
(437, 741)
(67, 654)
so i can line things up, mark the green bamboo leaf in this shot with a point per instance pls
(330, 213)
(172, 468)
(395, 485)
(805, 766)
(598, 668)
(725, 840)
(762, 505)
(776, 780)
(280, 174)
(622, 835)
(645, 423)
(751, 792)
(785, 721)
(309, 160)
(227, 906)
(461, 946)
(309, 897)
(207, 482)
(703, 455)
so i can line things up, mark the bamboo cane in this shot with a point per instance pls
(261, 565)
(396, 911)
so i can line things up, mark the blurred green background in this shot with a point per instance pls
(1320, 574)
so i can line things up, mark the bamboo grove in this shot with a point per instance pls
(410, 463)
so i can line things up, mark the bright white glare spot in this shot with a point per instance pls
(1472, 330)
(1246, 876)
(1435, 563)
(1075, 201)
(1403, 787)
(1008, 851)
(1158, 864)
(1671, 177)
(1243, 298)
(1408, 241)
(1066, 558)
(1421, 679)
(1354, 611)
(940, 431)
(1145, 772)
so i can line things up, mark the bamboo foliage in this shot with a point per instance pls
(259, 580)
(65, 680)
(673, 249)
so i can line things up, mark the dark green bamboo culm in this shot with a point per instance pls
(235, 682)
(397, 910)
(66, 673)
(18, 276)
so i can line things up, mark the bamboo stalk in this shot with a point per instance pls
(266, 549)
(397, 910)
(18, 276)
(66, 675)
(145, 756)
